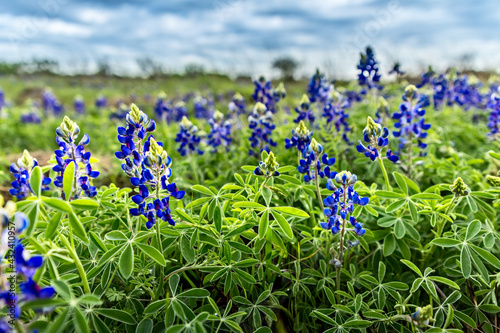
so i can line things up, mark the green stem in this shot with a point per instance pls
(440, 226)
(318, 192)
(384, 171)
(78, 263)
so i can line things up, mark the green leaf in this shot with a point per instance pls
(389, 195)
(57, 204)
(68, 179)
(84, 204)
(116, 235)
(80, 322)
(449, 316)
(412, 266)
(465, 262)
(54, 223)
(59, 324)
(145, 326)
(357, 323)
(486, 255)
(154, 307)
(446, 242)
(36, 178)
(184, 215)
(126, 264)
(118, 315)
(218, 218)
(284, 225)
(399, 229)
(413, 211)
(152, 253)
(32, 212)
(490, 308)
(395, 205)
(77, 227)
(187, 251)
(173, 283)
(426, 196)
(263, 224)
(291, 211)
(401, 182)
(389, 245)
(494, 155)
(445, 281)
(324, 318)
(249, 204)
(203, 189)
(473, 229)
(195, 293)
(290, 179)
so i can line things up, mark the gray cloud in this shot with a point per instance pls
(244, 35)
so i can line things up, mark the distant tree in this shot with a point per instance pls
(194, 69)
(10, 68)
(287, 66)
(103, 67)
(46, 66)
(150, 67)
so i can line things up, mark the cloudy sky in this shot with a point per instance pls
(243, 36)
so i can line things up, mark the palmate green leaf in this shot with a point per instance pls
(413, 211)
(59, 324)
(184, 215)
(153, 253)
(290, 179)
(445, 281)
(68, 180)
(155, 307)
(486, 255)
(53, 225)
(389, 245)
(473, 229)
(291, 211)
(357, 323)
(490, 308)
(395, 205)
(118, 315)
(494, 155)
(126, 263)
(325, 318)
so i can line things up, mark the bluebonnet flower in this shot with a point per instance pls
(426, 77)
(261, 123)
(264, 93)
(32, 115)
(50, 103)
(237, 105)
(339, 206)
(12, 224)
(26, 264)
(220, 132)
(396, 69)
(441, 92)
(314, 160)
(304, 110)
(377, 137)
(279, 93)
(188, 137)
(334, 110)
(31, 290)
(148, 166)
(494, 117)
(268, 167)
(410, 119)
(319, 89)
(203, 107)
(179, 111)
(368, 75)
(22, 172)
(120, 112)
(2, 98)
(69, 151)
(161, 107)
(101, 102)
(79, 104)
(301, 137)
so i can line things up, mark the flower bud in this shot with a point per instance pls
(459, 188)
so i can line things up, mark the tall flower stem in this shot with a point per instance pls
(78, 263)
(384, 172)
(318, 192)
(341, 249)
